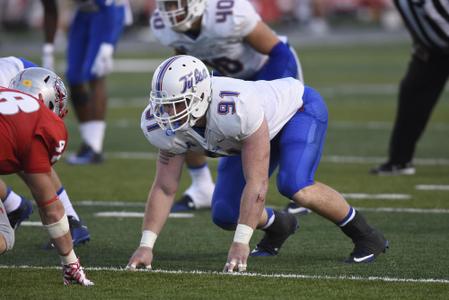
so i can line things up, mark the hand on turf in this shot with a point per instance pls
(103, 61)
(141, 258)
(237, 258)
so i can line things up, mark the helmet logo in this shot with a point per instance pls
(188, 79)
(27, 83)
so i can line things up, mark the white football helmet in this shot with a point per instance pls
(180, 14)
(180, 92)
(45, 85)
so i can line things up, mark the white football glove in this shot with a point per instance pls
(48, 57)
(103, 63)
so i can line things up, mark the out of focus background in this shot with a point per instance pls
(355, 53)
(302, 20)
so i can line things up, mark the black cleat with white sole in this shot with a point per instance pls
(368, 248)
(284, 225)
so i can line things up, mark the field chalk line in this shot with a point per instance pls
(215, 273)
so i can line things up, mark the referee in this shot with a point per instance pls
(427, 73)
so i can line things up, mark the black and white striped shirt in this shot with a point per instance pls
(427, 21)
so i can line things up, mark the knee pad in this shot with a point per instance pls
(79, 97)
(59, 228)
(287, 187)
(8, 233)
(224, 216)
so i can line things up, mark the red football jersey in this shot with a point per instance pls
(32, 137)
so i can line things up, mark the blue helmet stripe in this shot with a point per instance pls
(161, 74)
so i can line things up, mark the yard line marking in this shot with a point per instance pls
(328, 158)
(378, 125)
(116, 214)
(406, 210)
(372, 160)
(432, 187)
(31, 223)
(215, 273)
(109, 203)
(362, 196)
(131, 214)
(371, 209)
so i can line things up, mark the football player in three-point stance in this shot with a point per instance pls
(265, 124)
(17, 207)
(232, 39)
(33, 137)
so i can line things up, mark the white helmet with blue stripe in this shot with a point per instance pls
(180, 92)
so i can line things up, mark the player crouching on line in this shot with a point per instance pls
(267, 124)
(33, 137)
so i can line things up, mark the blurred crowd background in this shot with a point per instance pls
(317, 17)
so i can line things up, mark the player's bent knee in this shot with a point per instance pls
(6, 239)
(302, 197)
(223, 216)
(79, 97)
(289, 189)
(59, 228)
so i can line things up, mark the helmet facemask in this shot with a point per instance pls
(178, 113)
(181, 14)
(181, 92)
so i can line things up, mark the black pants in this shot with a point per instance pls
(419, 91)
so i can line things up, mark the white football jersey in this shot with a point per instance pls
(220, 43)
(9, 67)
(236, 111)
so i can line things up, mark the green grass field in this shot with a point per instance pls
(360, 86)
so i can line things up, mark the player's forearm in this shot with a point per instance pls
(157, 210)
(253, 202)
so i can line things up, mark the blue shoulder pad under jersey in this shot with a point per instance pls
(26, 63)
(281, 63)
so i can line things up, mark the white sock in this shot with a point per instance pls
(202, 186)
(12, 201)
(69, 210)
(92, 133)
(201, 176)
(69, 258)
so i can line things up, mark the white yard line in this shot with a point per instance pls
(406, 210)
(432, 187)
(327, 158)
(130, 214)
(117, 214)
(363, 196)
(214, 273)
(31, 223)
(378, 209)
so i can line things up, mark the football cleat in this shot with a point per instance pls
(80, 233)
(394, 169)
(85, 156)
(74, 274)
(184, 204)
(368, 248)
(284, 225)
(295, 209)
(20, 214)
